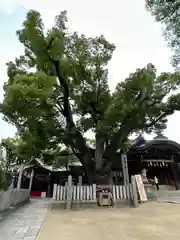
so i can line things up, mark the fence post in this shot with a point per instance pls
(134, 192)
(55, 191)
(80, 180)
(69, 192)
(94, 192)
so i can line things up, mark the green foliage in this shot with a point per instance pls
(58, 90)
(24, 149)
(4, 181)
(64, 157)
(167, 13)
(17, 151)
(9, 145)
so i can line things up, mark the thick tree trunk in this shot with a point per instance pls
(102, 171)
(104, 182)
(88, 165)
(99, 151)
(104, 176)
(97, 170)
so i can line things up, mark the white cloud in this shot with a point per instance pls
(8, 5)
(126, 23)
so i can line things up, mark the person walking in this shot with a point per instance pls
(156, 183)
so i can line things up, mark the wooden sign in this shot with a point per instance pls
(141, 189)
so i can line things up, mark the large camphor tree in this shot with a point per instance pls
(58, 91)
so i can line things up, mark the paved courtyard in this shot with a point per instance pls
(24, 223)
(151, 220)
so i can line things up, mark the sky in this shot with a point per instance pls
(138, 38)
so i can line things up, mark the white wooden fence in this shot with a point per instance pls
(86, 193)
(71, 193)
(121, 192)
(79, 193)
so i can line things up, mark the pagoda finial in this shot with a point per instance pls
(160, 135)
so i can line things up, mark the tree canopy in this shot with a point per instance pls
(10, 157)
(58, 90)
(167, 13)
(20, 150)
(16, 151)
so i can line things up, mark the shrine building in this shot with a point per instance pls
(159, 157)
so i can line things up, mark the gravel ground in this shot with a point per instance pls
(149, 221)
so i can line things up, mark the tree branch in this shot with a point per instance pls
(77, 139)
(59, 108)
(154, 121)
(161, 98)
(126, 127)
(92, 104)
(67, 108)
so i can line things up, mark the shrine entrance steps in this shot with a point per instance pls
(172, 196)
(164, 188)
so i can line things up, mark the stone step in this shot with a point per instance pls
(175, 201)
(169, 195)
(164, 188)
(166, 192)
(164, 197)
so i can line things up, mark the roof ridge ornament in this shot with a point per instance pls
(140, 140)
(160, 136)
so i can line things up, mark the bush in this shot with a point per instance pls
(4, 181)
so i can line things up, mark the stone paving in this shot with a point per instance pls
(25, 223)
(149, 221)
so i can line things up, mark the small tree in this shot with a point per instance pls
(9, 145)
(4, 180)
